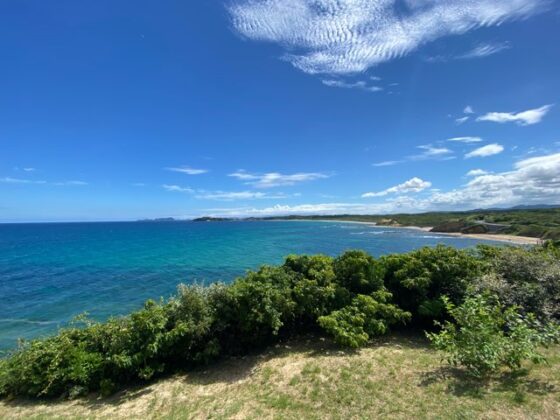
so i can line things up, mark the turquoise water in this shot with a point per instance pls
(52, 272)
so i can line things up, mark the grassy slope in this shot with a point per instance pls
(397, 376)
(540, 223)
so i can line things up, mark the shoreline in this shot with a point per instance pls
(510, 239)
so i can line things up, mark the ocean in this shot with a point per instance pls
(51, 272)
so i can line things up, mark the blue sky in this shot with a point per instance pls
(132, 109)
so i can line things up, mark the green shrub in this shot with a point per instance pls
(485, 337)
(418, 279)
(359, 272)
(314, 286)
(262, 304)
(529, 279)
(365, 317)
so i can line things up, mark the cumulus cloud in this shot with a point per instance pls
(484, 151)
(413, 185)
(468, 139)
(346, 36)
(468, 110)
(529, 117)
(276, 179)
(533, 180)
(485, 49)
(187, 170)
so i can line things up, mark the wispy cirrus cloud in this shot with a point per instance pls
(10, 180)
(413, 185)
(276, 179)
(387, 163)
(177, 188)
(432, 152)
(218, 195)
(187, 170)
(485, 49)
(529, 117)
(466, 139)
(240, 195)
(348, 36)
(484, 151)
(360, 84)
(429, 152)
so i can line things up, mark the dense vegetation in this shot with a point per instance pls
(352, 298)
(537, 223)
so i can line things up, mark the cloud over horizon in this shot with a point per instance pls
(276, 179)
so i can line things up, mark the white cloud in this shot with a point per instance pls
(29, 169)
(9, 180)
(484, 151)
(413, 185)
(188, 170)
(467, 139)
(345, 36)
(529, 117)
(431, 152)
(352, 85)
(387, 163)
(239, 195)
(225, 195)
(461, 120)
(532, 181)
(468, 110)
(476, 172)
(70, 183)
(485, 49)
(177, 188)
(276, 179)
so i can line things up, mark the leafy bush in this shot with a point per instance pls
(485, 336)
(365, 317)
(419, 279)
(529, 279)
(359, 272)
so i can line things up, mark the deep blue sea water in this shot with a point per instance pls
(51, 272)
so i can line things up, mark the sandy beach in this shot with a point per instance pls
(511, 239)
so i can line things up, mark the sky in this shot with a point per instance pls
(123, 110)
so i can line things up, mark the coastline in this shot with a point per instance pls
(510, 239)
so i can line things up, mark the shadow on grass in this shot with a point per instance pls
(229, 370)
(459, 383)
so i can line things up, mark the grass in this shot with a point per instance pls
(397, 376)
